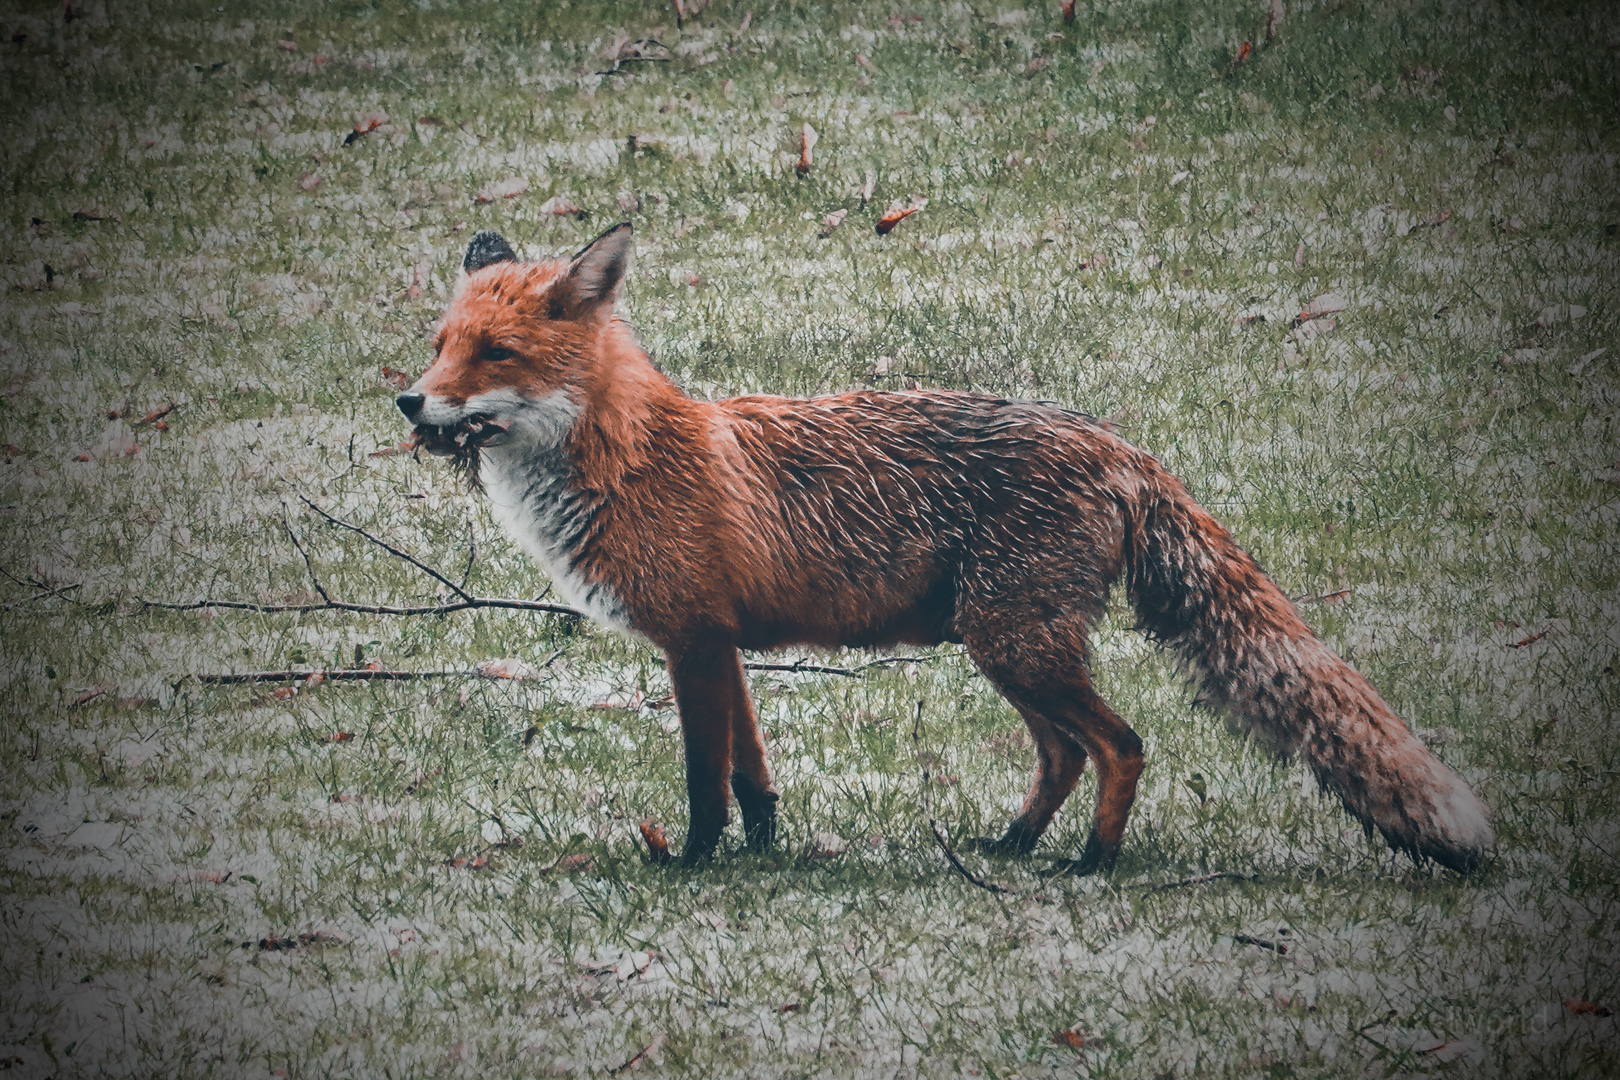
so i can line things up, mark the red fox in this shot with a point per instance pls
(869, 518)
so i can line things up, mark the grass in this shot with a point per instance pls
(183, 222)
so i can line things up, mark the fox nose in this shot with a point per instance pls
(410, 404)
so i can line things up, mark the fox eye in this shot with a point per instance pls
(496, 354)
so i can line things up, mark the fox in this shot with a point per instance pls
(872, 518)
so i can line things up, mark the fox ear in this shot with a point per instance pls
(595, 272)
(487, 249)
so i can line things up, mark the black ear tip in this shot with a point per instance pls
(486, 249)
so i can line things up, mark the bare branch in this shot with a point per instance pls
(370, 609)
(333, 675)
(308, 565)
(927, 800)
(46, 593)
(472, 553)
(1201, 879)
(394, 551)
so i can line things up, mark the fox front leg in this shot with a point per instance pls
(705, 679)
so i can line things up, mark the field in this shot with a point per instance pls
(1353, 279)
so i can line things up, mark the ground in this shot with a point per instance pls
(253, 212)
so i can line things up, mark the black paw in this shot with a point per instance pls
(758, 813)
(1096, 857)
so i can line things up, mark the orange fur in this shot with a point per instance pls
(869, 518)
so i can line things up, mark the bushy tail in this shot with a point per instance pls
(1198, 592)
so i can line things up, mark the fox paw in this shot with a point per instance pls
(1096, 857)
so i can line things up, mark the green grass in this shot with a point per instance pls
(182, 222)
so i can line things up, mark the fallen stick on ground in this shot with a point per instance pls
(928, 809)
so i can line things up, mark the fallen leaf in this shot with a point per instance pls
(1242, 57)
(836, 218)
(1069, 1037)
(339, 737)
(792, 1006)
(1068, 11)
(657, 842)
(897, 213)
(157, 414)
(396, 378)
(807, 143)
(308, 182)
(284, 692)
(1586, 1008)
(1531, 640)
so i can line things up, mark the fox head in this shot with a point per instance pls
(515, 345)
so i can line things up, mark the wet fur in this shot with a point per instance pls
(875, 518)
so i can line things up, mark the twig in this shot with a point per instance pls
(398, 554)
(1245, 939)
(307, 564)
(927, 800)
(334, 675)
(848, 673)
(472, 553)
(370, 609)
(633, 1062)
(48, 592)
(1201, 879)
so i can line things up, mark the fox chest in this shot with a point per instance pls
(533, 497)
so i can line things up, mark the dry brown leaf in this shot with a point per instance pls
(1586, 1008)
(1531, 640)
(1243, 53)
(1069, 1037)
(897, 213)
(395, 378)
(807, 143)
(657, 842)
(832, 221)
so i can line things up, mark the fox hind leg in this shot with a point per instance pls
(1059, 760)
(1042, 671)
(750, 774)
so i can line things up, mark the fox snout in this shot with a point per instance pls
(410, 403)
